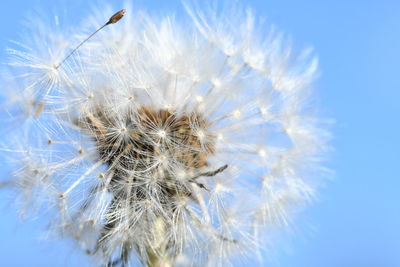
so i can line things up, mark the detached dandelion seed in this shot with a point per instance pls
(167, 143)
(114, 19)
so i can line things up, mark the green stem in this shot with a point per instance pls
(157, 255)
(155, 260)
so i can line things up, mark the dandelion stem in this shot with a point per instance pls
(157, 255)
(155, 261)
(114, 19)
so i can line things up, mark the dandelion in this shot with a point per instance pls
(163, 142)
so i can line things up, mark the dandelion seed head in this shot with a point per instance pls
(161, 139)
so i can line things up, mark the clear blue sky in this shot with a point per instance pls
(357, 220)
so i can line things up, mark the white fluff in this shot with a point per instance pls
(248, 86)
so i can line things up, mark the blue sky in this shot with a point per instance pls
(357, 219)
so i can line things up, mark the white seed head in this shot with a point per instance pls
(163, 139)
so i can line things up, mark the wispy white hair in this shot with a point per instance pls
(182, 141)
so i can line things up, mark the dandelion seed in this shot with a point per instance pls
(114, 19)
(165, 142)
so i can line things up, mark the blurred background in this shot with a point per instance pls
(356, 221)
